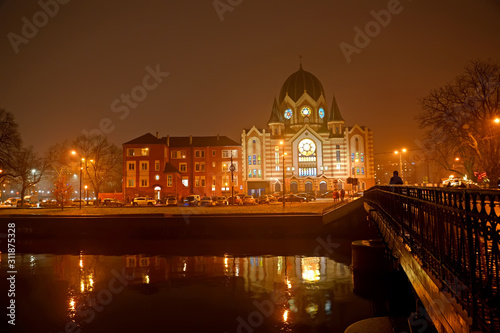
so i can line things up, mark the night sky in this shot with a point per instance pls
(224, 74)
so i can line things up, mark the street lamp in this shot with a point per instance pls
(80, 188)
(232, 168)
(86, 195)
(33, 171)
(400, 162)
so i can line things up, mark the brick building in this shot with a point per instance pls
(179, 166)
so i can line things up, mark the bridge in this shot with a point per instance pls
(447, 242)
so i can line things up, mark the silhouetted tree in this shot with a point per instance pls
(22, 163)
(103, 160)
(10, 140)
(460, 117)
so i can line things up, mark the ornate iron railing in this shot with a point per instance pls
(456, 234)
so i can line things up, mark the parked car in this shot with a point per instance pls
(249, 200)
(308, 196)
(48, 203)
(221, 201)
(292, 198)
(192, 200)
(236, 200)
(263, 199)
(171, 201)
(327, 194)
(76, 202)
(144, 201)
(207, 202)
(13, 202)
(112, 202)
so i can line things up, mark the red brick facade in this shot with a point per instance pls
(180, 166)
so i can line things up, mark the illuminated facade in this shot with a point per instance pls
(322, 152)
(180, 166)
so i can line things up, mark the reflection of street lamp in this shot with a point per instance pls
(400, 162)
(80, 189)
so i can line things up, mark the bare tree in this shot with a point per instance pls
(26, 168)
(460, 117)
(10, 140)
(62, 190)
(102, 160)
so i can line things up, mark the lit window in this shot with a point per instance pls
(254, 159)
(249, 160)
(362, 170)
(258, 159)
(145, 151)
(213, 164)
(185, 181)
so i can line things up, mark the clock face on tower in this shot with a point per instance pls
(321, 113)
(305, 112)
(288, 113)
(307, 147)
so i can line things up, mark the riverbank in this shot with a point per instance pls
(313, 207)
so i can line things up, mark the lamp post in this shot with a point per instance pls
(33, 172)
(86, 195)
(232, 168)
(80, 187)
(400, 162)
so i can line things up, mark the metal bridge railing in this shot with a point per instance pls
(456, 234)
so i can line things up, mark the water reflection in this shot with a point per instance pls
(105, 293)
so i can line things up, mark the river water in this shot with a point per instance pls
(170, 293)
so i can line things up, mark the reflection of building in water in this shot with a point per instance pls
(304, 289)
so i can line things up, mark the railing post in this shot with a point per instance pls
(468, 224)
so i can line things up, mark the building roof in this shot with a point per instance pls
(170, 168)
(200, 141)
(335, 111)
(276, 116)
(147, 138)
(300, 82)
(184, 141)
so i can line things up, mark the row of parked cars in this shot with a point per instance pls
(195, 200)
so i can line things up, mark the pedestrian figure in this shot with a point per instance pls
(342, 194)
(395, 179)
(335, 195)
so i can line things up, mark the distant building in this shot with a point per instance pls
(322, 152)
(179, 166)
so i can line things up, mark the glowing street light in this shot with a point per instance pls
(497, 120)
(400, 162)
(74, 153)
